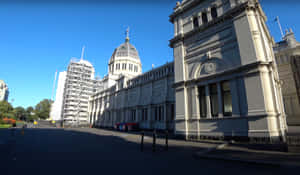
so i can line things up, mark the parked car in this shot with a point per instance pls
(126, 126)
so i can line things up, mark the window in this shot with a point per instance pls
(124, 66)
(144, 114)
(214, 13)
(135, 69)
(160, 113)
(155, 113)
(172, 111)
(130, 67)
(132, 115)
(202, 102)
(195, 22)
(204, 18)
(214, 100)
(118, 66)
(227, 101)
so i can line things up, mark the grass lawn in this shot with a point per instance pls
(5, 125)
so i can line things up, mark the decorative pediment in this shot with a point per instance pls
(208, 66)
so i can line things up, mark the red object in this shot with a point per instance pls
(9, 121)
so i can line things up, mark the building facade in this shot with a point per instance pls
(57, 106)
(287, 54)
(226, 81)
(80, 84)
(147, 99)
(3, 91)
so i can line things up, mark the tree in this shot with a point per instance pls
(20, 113)
(6, 110)
(42, 109)
(29, 110)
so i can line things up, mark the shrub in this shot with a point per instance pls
(9, 121)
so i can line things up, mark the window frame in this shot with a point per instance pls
(204, 17)
(226, 92)
(214, 12)
(213, 95)
(202, 101)
(195, 22)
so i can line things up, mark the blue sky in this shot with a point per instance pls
(36, 39)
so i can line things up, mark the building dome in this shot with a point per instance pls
(125, 50)
(125, 60)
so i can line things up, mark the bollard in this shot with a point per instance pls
(142, 141)
(154, 140)
(167, 134)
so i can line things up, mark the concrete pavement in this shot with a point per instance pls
(97, 151)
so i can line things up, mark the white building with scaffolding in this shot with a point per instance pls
(80, 83)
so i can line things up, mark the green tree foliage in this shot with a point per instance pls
(29, 110)
(42, 109)
(31, 116)
(6, 110)
(20, 113)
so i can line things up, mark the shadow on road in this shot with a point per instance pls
(82, 151)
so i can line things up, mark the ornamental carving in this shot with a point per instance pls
(209, 66)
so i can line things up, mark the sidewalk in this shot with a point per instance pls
(217, 150)
(245, 155)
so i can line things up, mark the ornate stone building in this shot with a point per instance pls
(287, 54)
(129, 96)
(3, 91)
(226, 81)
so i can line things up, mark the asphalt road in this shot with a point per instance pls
(91, 151)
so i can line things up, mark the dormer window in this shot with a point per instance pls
(204, 18)
(195, 22)
(214, 13)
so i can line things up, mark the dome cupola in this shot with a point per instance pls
(125, 59)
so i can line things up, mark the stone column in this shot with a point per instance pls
(208, 13)
(200, 19)
(175, 27)
(208, 110)
(180, 26)
(256, 34)
(197, 110)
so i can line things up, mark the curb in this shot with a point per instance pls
(255, 162)
(211, 149)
